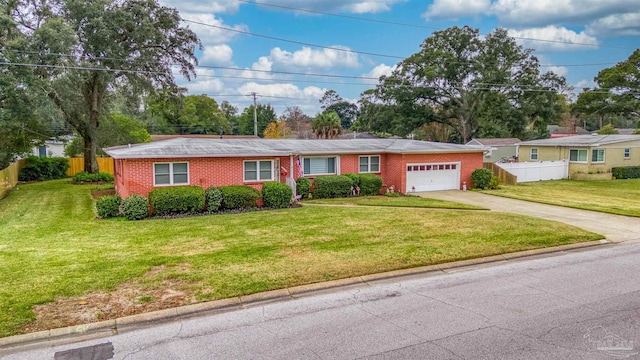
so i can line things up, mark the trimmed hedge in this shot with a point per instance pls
(43, 168)
(134, 207)
(355, 179)
(84, 176)
(626, 172)
(214, 198)
(303, 185)
(276, 195)
(177, 200)
(370, 184)
(481, 178)
(239, 197)
(332, 186)
(108, 206)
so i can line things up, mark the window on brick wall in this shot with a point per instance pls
(320, 165)
(171, 173)
(258, 170)
(370, 164)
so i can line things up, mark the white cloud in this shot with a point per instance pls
(584, 84)
(616, 25)
(283, 90)
(558, 38)
(215, 6)
(455, 9)
(311, 58)
(539, 12)
(380, 70)
(211, 35)
(217, 55)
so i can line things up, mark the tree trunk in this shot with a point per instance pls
(90, 160)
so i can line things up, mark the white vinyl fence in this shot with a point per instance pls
(537, 171)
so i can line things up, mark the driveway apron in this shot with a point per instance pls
(616, 228)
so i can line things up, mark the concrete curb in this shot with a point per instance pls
(126, 324)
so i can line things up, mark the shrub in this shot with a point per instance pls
(332, 186)
(43, 168)
(214, 198)
(355, 179)
(108, 206)
(370, 184)
(303, 185)
(84, 176)
(134, 207)
(626, 172)
(481, 178)
(239, 197)
(276, 195)
(177, 200)
(494, 184)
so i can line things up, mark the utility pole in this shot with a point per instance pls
(255, 114)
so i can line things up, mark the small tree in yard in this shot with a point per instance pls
(481, 178)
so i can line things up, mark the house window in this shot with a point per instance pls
(627, 153)
(319, 165)
(578, 155)
(597, 155)
(369, 164)
(534, 154)
(171, 173)
(258, 170)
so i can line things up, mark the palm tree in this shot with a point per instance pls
(326, 125)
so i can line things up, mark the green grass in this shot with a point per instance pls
(620, 197)
(51, 246)
(399, 201)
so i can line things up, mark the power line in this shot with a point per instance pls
(293, 41)
(419, 26)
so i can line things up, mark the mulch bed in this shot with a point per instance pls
(100, 193)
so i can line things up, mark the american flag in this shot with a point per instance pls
(299, 172)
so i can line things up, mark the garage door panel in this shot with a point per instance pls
(433, 176)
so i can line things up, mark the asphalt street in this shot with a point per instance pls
(577, 305)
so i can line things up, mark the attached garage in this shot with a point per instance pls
(433, 177)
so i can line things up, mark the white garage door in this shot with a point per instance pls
(433, 177)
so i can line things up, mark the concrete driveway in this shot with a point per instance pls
(616, 228)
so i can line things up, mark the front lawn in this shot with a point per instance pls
(620, 197)
(53, 249)
(399, 201)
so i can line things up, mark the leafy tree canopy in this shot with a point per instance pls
(326, 125)
(115, 129)
(265, 115)
(478, 85)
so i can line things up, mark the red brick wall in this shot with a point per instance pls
(135, 176)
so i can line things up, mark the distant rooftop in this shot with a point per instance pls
(211, 147)
(583, 140)
(496, 141)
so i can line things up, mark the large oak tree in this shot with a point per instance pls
(105, 44)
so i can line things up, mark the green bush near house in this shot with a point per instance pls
(43, 168)
(626, 172)
(84, 176)
(481, 178)
(177, 200)
(135, 207)
(108, 206)
(239, 197)
(355, 179)
(370, 184)
(214, 198)
(334, 186)
(303, 185)
(276, 195)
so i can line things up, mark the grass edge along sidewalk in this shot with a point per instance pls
(54, 250)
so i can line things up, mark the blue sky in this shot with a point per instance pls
(608, 29)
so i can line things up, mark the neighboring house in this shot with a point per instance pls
(499, 148)
(556, 131)
(52, 147)
(407, 165)
(585, 153)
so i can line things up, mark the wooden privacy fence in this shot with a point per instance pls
(76, 165)
(506, 178)
(9, 176)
